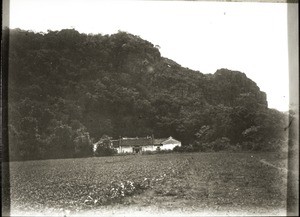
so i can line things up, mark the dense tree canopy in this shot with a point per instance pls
(67, 89)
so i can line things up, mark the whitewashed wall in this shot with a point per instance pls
(95, 147)
(125, 149)
(129, 149)
(148, 148)
(169, 146)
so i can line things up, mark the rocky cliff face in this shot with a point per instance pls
(234, 85)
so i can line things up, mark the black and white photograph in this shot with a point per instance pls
(150, 108)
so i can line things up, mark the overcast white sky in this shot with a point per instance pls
(204, 36)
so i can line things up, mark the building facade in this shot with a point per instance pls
(138, 145)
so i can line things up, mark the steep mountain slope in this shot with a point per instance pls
(66, 88)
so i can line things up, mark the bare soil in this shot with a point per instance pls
(190, 184)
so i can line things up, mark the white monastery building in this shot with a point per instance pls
(139, 145)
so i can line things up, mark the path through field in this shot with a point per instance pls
(164, 184)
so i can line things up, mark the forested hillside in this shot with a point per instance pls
(67, 89)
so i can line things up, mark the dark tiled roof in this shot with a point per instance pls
(146, 141)
(159, 141)
(136, 142)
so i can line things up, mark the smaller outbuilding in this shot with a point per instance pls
(167, 144)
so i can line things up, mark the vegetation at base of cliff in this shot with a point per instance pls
(67, 89)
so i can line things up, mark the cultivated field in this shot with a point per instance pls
(231, 183)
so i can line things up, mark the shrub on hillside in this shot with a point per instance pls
(180, 149)
(250, 146)
(82, 143)
(105, 151)
(220, 144)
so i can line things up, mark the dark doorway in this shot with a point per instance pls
(137, 149)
